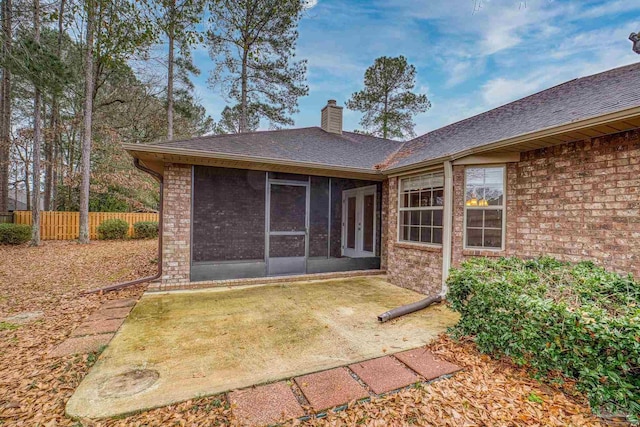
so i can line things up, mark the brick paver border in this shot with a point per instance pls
(334, 388)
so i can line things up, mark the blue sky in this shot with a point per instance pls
(470, 56)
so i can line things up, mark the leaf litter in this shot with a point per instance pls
(51, 278)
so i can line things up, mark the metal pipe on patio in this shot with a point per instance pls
(409, 308)
(156, 276)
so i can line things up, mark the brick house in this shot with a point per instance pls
(556, 173)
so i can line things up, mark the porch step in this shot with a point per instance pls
(160, 287)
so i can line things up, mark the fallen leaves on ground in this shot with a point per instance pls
(485, 393)
(34, 389)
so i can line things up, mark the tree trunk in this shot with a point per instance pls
(243, 95)
(385, 120)
(37, 140)
(5, 109)
(54, 176)
(48, 157)
(27, 188)
(171, 35)
(86, 130)
(51, 148)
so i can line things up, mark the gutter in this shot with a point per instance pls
(118, 286)
(525, 137)
(245, 158)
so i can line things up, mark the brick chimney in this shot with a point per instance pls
(332, 117)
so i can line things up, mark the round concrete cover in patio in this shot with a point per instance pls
(212, 341)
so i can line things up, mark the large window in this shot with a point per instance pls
(421, 202)
(484, 207)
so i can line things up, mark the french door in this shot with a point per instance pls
(287, 242)
(359, 222)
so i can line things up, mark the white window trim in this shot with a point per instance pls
(400, 210)
(503, 207)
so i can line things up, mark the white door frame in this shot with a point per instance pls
(359, 193)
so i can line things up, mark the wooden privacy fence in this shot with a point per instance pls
(65, 225)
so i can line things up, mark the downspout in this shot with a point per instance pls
(447, 223)
(118, 286)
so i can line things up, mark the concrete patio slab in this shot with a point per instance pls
(265, 405)
(384, 374)
(119, 303)
(425, 363)
(97, 327)
(211, 341)
(80, 345)
(330, 388)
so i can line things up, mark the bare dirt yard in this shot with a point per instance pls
(34, 388)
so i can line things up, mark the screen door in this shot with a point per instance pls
(288, 224)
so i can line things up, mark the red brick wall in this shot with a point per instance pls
(581, 201)
(577, 201)
(176, 236)
(411, 266)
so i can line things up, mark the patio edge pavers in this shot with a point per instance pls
(384, 374)
(265, 405)
(97, 330)
(327, 389)
(426, 364)
(80, 345)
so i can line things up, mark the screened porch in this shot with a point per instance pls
(250, 223)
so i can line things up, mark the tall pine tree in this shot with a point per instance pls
(252, 43)
(387, 100)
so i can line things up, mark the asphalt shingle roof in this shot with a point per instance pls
(578, 99)
(311, 145)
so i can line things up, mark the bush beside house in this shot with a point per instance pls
(145, 230)
(113, 229)
(14, 234)
(575, 319)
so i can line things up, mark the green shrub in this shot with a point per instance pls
(145, 229)
(111, 229)
(575, 319)
(14, 234)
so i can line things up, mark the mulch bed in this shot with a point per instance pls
(34, 389)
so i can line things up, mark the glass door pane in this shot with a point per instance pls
(351, 222)
(368, 222)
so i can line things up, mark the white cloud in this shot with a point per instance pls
(500, 90)
(609, 8)
(309, 4)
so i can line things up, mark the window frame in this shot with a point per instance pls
(401, 209)
(502, 207)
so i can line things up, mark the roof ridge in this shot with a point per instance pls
(524, 98)
(230, 135)
(372, 136)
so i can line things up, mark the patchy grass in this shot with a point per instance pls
(35, 389)
(6, 326)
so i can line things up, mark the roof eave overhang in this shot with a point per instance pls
(151, 153)
(631, 113)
